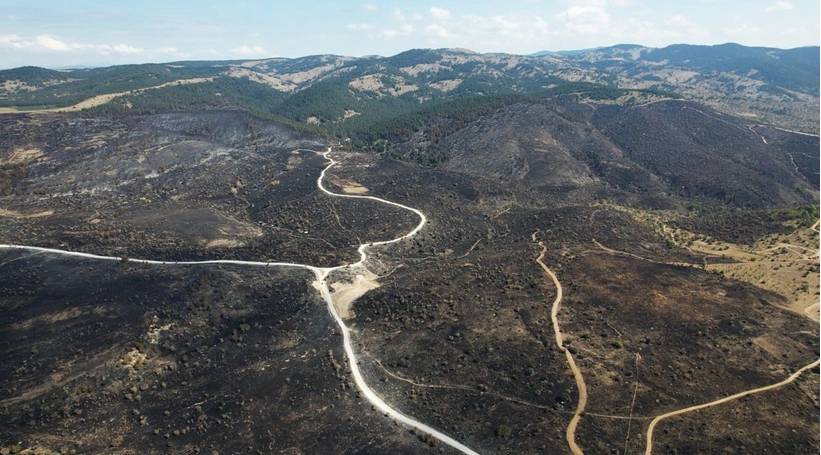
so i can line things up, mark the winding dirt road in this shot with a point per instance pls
(570, 433)
(649, 447)
(321, 275)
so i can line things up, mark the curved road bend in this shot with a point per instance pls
(649, 447)
(321, 284)
(570, 433)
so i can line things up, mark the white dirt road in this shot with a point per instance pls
(321, 284)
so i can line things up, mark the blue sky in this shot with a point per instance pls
(84, 32)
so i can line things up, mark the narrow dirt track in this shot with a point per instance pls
(653, 423)
(641, 258)
(570, 433)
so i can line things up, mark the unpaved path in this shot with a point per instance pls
(752, 128)
(791, 378)
(321, 284)
(649, 447)
(803, 133)
(500, 396)
(570, 433)
(641, 258)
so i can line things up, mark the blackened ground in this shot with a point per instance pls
(661, 154)
(103, 357)
(698, 338)
(780, 424)
(179, 186)
(463, 311)
(467, 319)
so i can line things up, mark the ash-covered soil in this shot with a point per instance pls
(461, 334)
(120, 358)
(104, 357)
(655, 154)
(780, 419)
(174, 186)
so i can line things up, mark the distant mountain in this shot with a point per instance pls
(792, 69)
(572, 52)
(32, 74)
(342, 93)
(29, 78)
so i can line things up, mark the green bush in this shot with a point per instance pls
(504, 431)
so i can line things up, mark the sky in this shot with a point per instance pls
(57, 34)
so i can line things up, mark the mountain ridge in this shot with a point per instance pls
(766, 85)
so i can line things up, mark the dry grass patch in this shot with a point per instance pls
(5, 213)
(784, 263)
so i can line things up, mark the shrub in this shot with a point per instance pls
(503, 431)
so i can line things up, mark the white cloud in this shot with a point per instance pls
(439, 13)
(126, 49)
(796, 31)
(249, 51)
(14, 41)
(50, 43)
(504, 33)
(439, 31)
(399, 15)
(783, 5)
(595, 3)
(585, 19)
(401, 30)
(402, 27)
(359, 27)
(168, 50)
(678, 20)
(737, 31)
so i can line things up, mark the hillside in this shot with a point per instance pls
(764, 84)
(661, 149)
(790, 69)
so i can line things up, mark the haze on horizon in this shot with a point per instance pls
(93, 32)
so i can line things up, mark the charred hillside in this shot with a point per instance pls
(668, 149)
